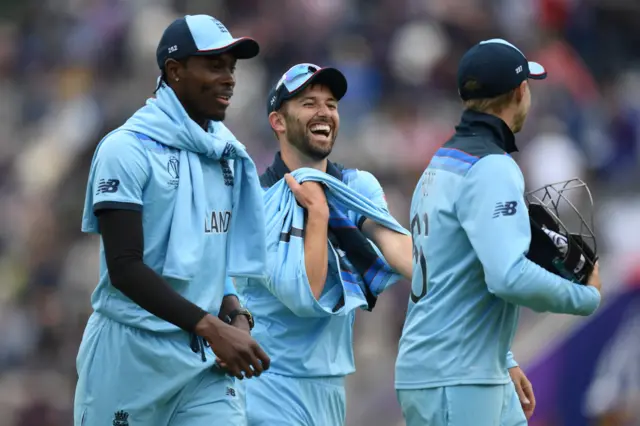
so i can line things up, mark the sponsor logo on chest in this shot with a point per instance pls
(217, 222)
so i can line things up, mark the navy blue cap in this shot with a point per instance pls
(300, 76)
(494, 67)
(194, 35)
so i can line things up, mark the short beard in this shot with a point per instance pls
(299, 138)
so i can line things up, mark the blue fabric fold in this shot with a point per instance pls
(285, 228)
(164, 120)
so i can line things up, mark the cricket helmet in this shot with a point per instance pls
(562, 238)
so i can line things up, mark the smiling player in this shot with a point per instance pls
(312, 350)
(165, 303)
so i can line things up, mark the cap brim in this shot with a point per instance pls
(537, 71)
(241, 48)
(330, 77)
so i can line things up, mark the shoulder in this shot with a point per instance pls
(475, 146)
(363, 182)
(125, 143)
(268, 178)
(478, 156)
(358, 177)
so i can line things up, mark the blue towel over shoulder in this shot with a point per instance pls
(164, 120)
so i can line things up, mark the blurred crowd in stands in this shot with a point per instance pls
(71, 70)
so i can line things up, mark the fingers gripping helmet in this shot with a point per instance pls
(562, 239)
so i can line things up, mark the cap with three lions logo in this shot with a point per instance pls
(494, 67)
(199, 35)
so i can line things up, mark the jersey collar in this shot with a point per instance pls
(493, 126)
(278, 169)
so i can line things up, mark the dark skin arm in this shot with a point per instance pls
(122, 235)
(229, 304)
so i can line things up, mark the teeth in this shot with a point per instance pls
(320, 128)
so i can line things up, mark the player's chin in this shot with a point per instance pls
(321, 140)
(320, 151)
(217, 114)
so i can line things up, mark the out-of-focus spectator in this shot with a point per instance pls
(72, 70)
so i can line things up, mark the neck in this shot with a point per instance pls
(201, 121)
(294, 159)
(507, 115)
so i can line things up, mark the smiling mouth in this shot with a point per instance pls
(320, 129)
(224, 99)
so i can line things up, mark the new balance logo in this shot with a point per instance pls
(107, 186)
(505, 209)
(231, 392)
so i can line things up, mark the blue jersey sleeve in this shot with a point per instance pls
(493, 213)
(367, 185)
(120, 173)
(511, 361)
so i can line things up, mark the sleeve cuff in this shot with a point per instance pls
(230, 288)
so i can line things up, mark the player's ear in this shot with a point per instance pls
(174, 70)
(277, 122)
(521, 91)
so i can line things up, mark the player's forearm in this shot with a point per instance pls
(316, 259)
(123, 244)
(530, 285)
(395, 247)
(398, 254)
(148, 290)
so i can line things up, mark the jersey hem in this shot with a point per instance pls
(452, 382)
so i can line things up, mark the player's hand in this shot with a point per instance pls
(594, 279)
(524, 390)
(309, 194)
(236, 349)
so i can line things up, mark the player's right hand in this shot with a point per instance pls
(309, 194)
(594, 279)
(240, 353)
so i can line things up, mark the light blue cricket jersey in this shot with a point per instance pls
(299, 344)
(147, 179)
(471, 233)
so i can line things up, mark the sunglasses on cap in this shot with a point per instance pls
(297, 76)
(302, 75)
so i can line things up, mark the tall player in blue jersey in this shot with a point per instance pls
(471, 234)
(172, 193)
(311, 353)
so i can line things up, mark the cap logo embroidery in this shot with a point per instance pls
(173, 48)
(519, 69)
(220, 26)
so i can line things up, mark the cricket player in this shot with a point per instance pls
(471, 235)
(174, 197)
(311, 354)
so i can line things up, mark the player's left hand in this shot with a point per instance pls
(241, 322)
(524, 390)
